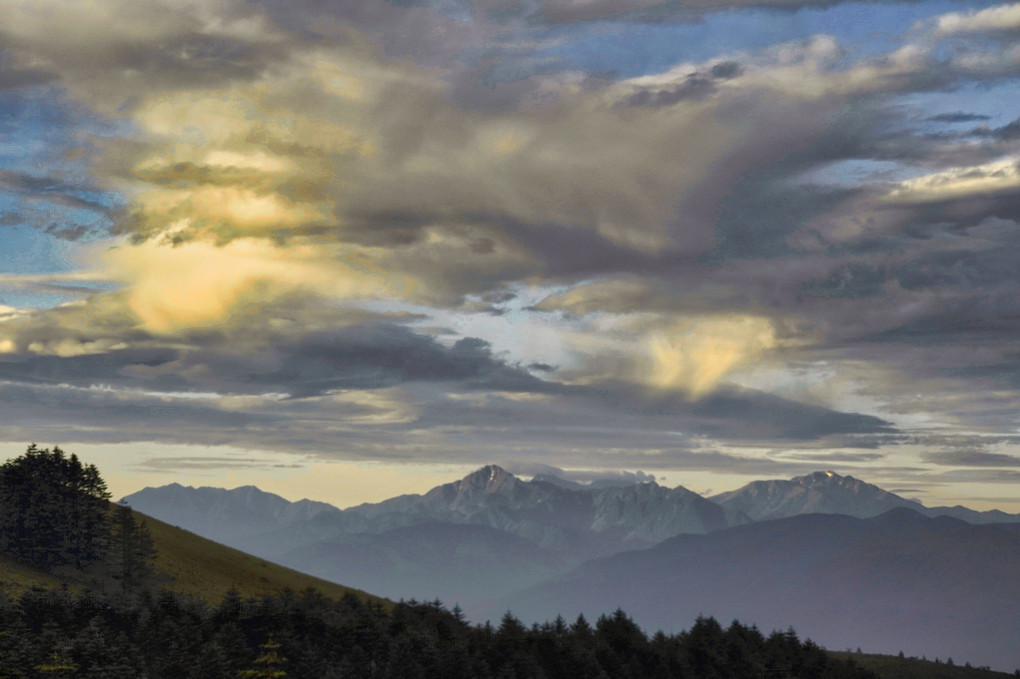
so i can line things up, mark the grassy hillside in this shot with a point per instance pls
(195, 566)
(15, 577)
(208, 569)
(893, 667)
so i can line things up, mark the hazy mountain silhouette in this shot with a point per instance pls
(831, 493)
(497, 532)
(576, 522)
(579, 521)
(456, 563)
(940, 587)
(899, 581)
(225, 515)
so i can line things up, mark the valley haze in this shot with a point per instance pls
(841, 560)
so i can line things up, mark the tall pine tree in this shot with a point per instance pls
(131, 549)
(53, 509)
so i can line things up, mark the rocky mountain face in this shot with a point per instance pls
(899, 581)
(581, 520)
(509, 532)
(817, 493)
(483, 537)
(831, 493)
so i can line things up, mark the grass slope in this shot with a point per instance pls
(193, 565)
(893, 667)
(207, 569)
(16, 577)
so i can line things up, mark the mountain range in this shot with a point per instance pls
(512, 532)
(933, 586)
(853, 563)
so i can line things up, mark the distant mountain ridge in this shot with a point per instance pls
(831, 493)
(554, 526)
(221, 515)
(603, 518)
(491, 533)
(817, 493)
(898, 581)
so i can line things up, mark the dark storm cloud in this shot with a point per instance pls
(444, 421)
(588, 416)
(172, 465)
(61, 412)
(1008, 132)
(112, 367)
(958, 117)
(19, 78)
(380, 17)
(993, 476)
(564, 11)
(971, 458)
(354, 357)
(366, 357)
(841, 456)
(785, 419)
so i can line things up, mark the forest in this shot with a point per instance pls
(55, 515)
(54, 633)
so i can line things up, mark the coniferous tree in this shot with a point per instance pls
(53, 509)
(131, 551)
(268, 665)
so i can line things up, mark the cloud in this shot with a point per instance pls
(696, 355)
(956, 183)
(958, 117)
(299, 361)
(686, 354)
(827, 458)
(202, 285)
(562, 11)
(972, 458)
(121, 50)
(19, 78)
(529, 468)
(609, 427)
(615, 295)
(1010, 131)
(175, 465)
(997, 476)
(990, 20)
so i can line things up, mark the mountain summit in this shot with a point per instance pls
(817, 493)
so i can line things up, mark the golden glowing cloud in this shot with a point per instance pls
(959, 182)
(695, 355)
(200, 284)
(688, 354)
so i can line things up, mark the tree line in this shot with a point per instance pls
(157, 634)
(56, 515)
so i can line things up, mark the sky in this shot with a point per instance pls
(345, 250)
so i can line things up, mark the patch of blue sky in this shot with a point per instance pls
(631, 49)
(24, 250)
(44, 146)
(33, 124)
(27, 251)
